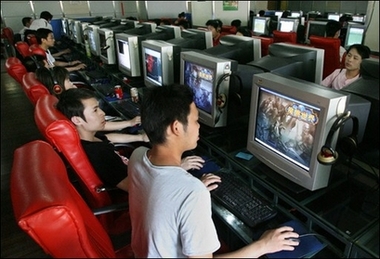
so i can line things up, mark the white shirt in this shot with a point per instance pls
(50, 59)
(40, 23)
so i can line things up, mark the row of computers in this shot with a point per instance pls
(289, 113)
(264, 26)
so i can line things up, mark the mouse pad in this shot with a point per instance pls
(208, 167)
(308, 246)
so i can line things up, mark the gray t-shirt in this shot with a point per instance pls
(170, 211)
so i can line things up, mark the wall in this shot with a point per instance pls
(372, 35)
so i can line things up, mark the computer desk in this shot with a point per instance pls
(344, 213)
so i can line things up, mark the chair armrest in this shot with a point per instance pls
(111, 208)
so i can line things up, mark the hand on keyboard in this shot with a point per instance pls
(210, 181)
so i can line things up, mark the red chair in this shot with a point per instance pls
(228, 29)
(23, 48)
(332, 56)
(7, 33)
(265, 42)
(281, 36)
(33, 88)
(32, 39)
(35, 49)
(50, 210)
(15, 68)
(62, 134)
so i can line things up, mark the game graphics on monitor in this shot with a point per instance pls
(200, 79)
(287, 127)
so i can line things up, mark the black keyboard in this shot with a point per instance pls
(241, 200)
(127, 107)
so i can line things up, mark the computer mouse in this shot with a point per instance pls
(293, 239)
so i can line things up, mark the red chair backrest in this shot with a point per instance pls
(332, 56)
(265, 42)
(23, 48)
(32, 39)
(35, 49)
(15, 68)
(280, 36)
(228, 29)
(50, 210)
(33, 88)
(8, 34)
(63, 135)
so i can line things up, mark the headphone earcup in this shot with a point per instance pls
(348, 145)
(57, 89)
(221, 100)
(327, 156)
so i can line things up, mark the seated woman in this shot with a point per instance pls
(340, 78)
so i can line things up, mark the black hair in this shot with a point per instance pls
(236, 23)
(25, 20)
(363, 50)
(161, 106)
(286, 14)
(42, 33)
(261, 12)
(70, 101)
(184, 23)
(33, 62)
(45, 76)
(216, 23)
(332, 27)
(182, 15)
(46, 15)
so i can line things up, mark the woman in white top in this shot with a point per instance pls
(340, 78)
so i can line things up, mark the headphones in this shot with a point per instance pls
(348, 145)
(34, 59)
(221, 98)
(57, 89)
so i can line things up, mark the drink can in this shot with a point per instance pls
(134, 95)
(119, 92)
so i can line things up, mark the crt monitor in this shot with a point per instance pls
(287, 24)
(359, 18)
(64, 22)
(296, 14)
(142, 28)
(193, 39)
(164, 32)
(107, 46)
(333, 16)
(161, 63)
(316, 28)
(289, 122)
(128, 49)
(240, 48)
(93, 39)
(295, 60)
(209, 77)
(84, 32)
(260, 25)
(355, 34)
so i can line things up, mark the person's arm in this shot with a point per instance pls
(271, 241)
(126, 138)
(118, 125)
(60, 53)
(329, 79)
(68, 65)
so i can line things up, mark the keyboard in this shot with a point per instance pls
(127, 107)
(241, 200)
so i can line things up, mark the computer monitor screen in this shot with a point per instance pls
(355, 34)
(316, 28)
(295, 60)
(278, 14)
(287, 24)
(193, 39)
(288, 124)
(240, 48)
(209, 78)
(128, 48)
(358, 18)
(93, 39)
(333, 16)
(295, 14)
(260, 25)
(161, 62)
(107, 46)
